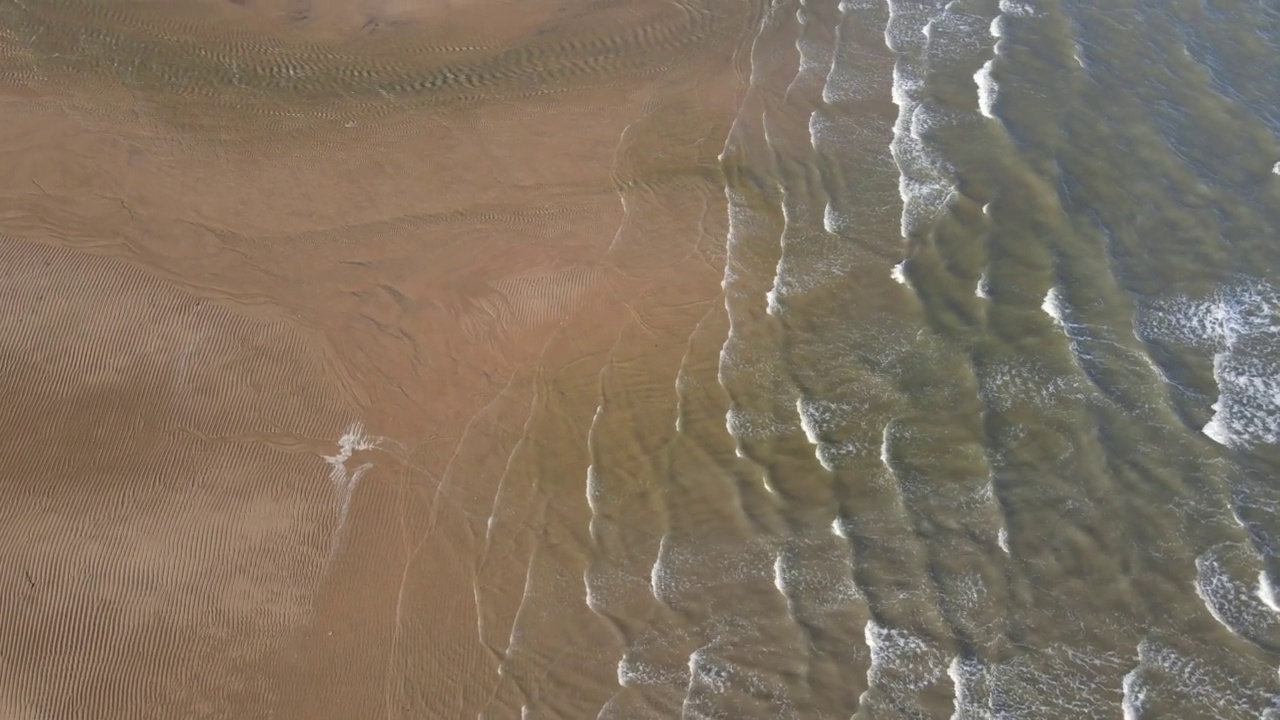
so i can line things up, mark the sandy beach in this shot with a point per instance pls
(299, 376)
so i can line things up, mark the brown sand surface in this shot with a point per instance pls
(308, 308)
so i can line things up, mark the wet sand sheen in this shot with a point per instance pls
(301, 384)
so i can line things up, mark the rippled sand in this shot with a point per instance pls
(307, 310)
(629, 360)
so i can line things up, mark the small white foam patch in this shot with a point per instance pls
(772, 306)
(1203, 687)
(1002, 386)
(833, 221)
(658, 573)
(983, 288)
(845, 82)
(821, 420)
(1133, 701)
(1229, 600)
(351, 441)
(684, 567)
(711, 676)
(592, 602)
(885, 457)
(838, 529)
(972, 696)
(1276, 168)
(1002, 539)
(951, 34)
(987, 89)
(898, 273)
(818, 569)
(810, 260)
(593, 490)
(345, 481)
(746, 424)
(1240, 325)
(1267, 592)
(640, 667)
(1055, 307)
(1057, 681)
(923, 183)
(807, 423)
(1017, 8)
(901, 662)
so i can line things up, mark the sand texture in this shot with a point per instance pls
(308, 306)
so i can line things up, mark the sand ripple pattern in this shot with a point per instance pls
(165, 519)
(526, 301)
(286, 77)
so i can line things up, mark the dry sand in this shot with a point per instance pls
(307, 310)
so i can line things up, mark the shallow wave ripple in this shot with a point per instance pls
(1000, 374)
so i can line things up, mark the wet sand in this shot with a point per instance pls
(299, 376)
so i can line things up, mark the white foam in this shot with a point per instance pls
(351, 441)
(833, 221)
(658, 573)
(592, 603)
(807, 423)
(632, 673)
(969, 677)
(815, 60)
(1206, 688)
(1248, 406)
(843, 82)
(771, 304)
(1240, 324)
(837, 529)
(1134, 695)
(344, 481)
(1055, 307)
(593, 489)
(1228, 600)
(831, 454)
(1002, 539)
(1276, 168)
(818, 419)
(706, 673)
(987, 89)
(951, 34)
(900, 660)
(747, 424)
(899, 274)
(1017, 8)
(884, 449)
(1267, 592)
(983, 288)
(922, 175)
(778, 581)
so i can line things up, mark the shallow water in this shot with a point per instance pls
(804, 360)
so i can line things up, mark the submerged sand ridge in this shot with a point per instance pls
(307, 321)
